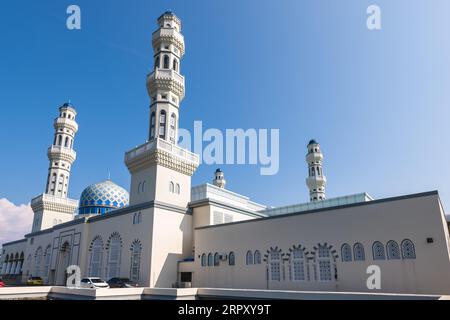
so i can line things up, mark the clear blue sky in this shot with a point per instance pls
(378, 102)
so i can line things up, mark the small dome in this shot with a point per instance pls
(218, 170)
(102, 197)
(312, 142)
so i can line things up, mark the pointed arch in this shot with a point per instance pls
(166, 62)
(96, 257)
(47, 260)
(203, 260)
(162, 124)
(393, 250)
(378, 251)
(408, 250)
(152, 125)
(136, 251)
(231, 259)
(346, 253)
(210, 260)
(114, 254)
(325, 257)
(37, 262)
(249, 258)
(358, 252)
(257, 257)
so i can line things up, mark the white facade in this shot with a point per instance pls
(171, 234)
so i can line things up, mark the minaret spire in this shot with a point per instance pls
(165, 84)
(316, 181)
(61, 154)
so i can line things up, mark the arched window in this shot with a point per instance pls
(257, 259)
(210, 260)
(204, 260)
(358, 252)
(393, 250)
(216, 259)
(175, 65)
(172, 187)
(28, 264)
(166, 62)
(157, 62)
(177, 189)
(66, 143)
(346, 252)
(173, 122)
(37, 262)
(275, 265)
(324, 262)
(47, 257)
(162, 124)
(297, 265)
(114, 256)
(378, 251)
(59, 140)
(152, 126)
(5, 265)
(249, 258)
(231, 259)
(408, 250)
(144, 186)
(136, 249)
(96, 257)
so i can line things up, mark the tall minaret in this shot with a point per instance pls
(53, 207)
(165, 84)
(316, 181)
(160, 170)
(219, 179)
(61, 153)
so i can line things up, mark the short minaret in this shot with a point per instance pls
(316, 181)
(53, 207)
(219, 179)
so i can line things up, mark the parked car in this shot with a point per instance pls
(35, 281)
(2, 284)
(94, 283)
(121, 283)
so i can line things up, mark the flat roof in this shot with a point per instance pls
(391, 199)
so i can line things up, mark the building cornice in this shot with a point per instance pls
(368, 203)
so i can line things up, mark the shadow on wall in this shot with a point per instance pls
(169, 271)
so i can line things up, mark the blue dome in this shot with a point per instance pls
(103, 197)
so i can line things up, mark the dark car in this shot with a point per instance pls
(121, 283)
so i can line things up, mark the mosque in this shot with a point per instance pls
(167, 234)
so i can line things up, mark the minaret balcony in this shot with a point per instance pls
(316, 182)
(159, 151)
(314, 157)
(168, 35)
(50, 202)
(166, 80)
(161, 144)
(62, 153)
(66, 123)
